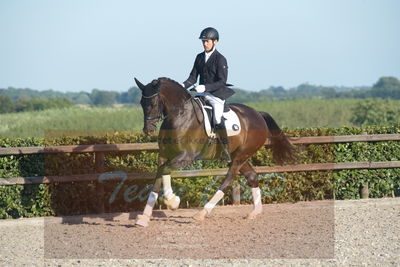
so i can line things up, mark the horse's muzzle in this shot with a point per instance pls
(149, 127)
(147, 131)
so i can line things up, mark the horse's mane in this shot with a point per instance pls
(169, 80)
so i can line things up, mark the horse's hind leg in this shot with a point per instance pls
(252, 180)
(219, 194)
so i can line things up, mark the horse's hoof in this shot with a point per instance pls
(201, 215)
(173, 202)
(252, 215)
(142, 220)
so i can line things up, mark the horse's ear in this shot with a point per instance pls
(139, 84)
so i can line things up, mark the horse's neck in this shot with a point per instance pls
(174, 100)
(178, 107)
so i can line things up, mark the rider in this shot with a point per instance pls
(212, 68)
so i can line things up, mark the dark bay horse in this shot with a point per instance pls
(183, 139)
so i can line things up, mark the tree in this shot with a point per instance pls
(376, 112)
(36, 104)
(386, 87)
(328, 92)
(82, 98)
(6, 104)
(132, 96)
(103, 98)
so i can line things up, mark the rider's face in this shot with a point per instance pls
(209, 44)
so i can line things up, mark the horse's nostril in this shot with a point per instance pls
(149, 131)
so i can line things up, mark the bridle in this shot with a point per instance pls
(159, 106)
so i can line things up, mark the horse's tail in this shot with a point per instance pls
(282, 149)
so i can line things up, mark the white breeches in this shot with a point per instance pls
(217, 104)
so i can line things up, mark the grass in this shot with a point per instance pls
(37, 124)
(291, 114)
(306, 113)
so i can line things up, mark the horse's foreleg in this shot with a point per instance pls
(170, 199)
(252, 180)
(143, 220)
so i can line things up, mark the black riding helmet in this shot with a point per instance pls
(209, 34)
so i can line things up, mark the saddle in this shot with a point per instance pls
(232, 122)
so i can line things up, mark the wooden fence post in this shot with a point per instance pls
(99, 159)
(393, 194)
(364, 192)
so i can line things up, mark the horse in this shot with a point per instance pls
(182, 139)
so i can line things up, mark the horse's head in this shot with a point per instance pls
(152, 105)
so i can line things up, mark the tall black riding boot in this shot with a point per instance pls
(222, 135)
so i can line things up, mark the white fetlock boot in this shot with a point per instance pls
(257, 208)
(144, 219)
(173, 202)
(170, 199)
(201, 215)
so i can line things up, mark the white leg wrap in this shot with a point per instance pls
(166, 180)
(256, 192)
(148, 210)
(214, 200)
(170, 199)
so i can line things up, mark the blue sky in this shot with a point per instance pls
(74, 45)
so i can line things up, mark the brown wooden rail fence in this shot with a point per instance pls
(99, 150)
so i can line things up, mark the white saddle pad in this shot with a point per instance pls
(232, 122)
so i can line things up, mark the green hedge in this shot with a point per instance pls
(82, 197)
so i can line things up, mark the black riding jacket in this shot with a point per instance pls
(213, 74)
